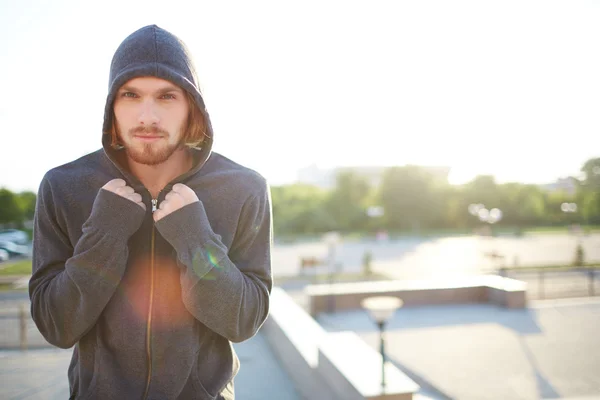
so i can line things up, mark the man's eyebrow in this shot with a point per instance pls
(163, 90)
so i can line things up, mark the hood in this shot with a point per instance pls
(153, 51)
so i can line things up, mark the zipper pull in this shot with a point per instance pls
(154, 204)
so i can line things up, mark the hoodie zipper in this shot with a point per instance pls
(150, 304)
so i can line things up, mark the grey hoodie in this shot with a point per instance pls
(151, 308)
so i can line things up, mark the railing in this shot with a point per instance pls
(17, 329)
(556, 282)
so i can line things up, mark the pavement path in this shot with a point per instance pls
(482, 352)
(424, 258)
(42, 374)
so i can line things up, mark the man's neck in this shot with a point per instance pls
(156, 177)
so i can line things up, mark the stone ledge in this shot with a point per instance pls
(326, 365)
(506, 292)
(357, 368)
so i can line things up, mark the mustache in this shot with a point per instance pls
(154, 130)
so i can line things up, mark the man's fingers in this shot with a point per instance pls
(112, 185)
(183, 189)
(124, 191)
(187, 194)
(119, 187)
(170, 195)
(178, 187)
(135, 197)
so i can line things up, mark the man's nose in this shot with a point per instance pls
(148, 113)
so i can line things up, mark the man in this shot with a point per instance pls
(152, 254)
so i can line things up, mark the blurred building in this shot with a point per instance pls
(567, 185)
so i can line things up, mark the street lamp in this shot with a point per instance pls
(376, 213)
(569, 208)
(332, 240)
(575, 229)
(380, 309)
(484, 215)
(474, 208)
(489, 217)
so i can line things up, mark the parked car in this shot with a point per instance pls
(14, 235)
(4, 256)
(14, 249)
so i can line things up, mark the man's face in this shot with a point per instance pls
(151, 118)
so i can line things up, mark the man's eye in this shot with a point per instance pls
(128, 94)
(168, 96)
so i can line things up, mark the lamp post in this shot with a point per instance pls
(575, 229)
(484, 215)
(568, 208)
(376, 213)
(489, 217)
(332, 240)
(380, 309)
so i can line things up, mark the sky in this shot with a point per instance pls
(508, 88)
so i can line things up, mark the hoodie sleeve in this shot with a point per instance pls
(71, 284)
(228, 291)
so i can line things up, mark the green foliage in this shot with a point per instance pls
(590, 201)
(346, 203)
(26, 202)
(10, 208)
(591, 170)
(523, 205)
(300, 209)
(413, 201)
(407, 195)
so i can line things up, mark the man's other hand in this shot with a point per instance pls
(179, 197)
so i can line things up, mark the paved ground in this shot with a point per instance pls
(41, 374)
(481, 352)
(423, 258)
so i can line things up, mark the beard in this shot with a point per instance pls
(151, 153)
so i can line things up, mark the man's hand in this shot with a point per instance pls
(179, 197)
(118, 186)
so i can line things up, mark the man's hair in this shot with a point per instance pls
(194, 134)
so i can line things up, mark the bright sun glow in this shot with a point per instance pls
(460, 175)
(484, 87)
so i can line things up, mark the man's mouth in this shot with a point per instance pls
(147, 138)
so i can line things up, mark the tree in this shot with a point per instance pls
(408, 198)
(591, 170)
(10, 212)
(347, 202)
(300, 209)
(590, 207)
(589, 193)
(27, 202)
(522, 205)
(483, 189)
